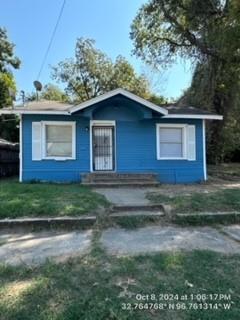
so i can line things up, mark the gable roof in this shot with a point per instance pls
(59, 108)
(124, 93)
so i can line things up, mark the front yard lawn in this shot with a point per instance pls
(102, 287)
(20, 200)
(223, 200)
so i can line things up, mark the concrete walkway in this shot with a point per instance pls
(233, 232)
(125, 196)
(35, 248)
(158, 238)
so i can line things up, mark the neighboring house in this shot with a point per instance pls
(9, 158)
(115, 132)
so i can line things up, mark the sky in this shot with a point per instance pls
(30, 24)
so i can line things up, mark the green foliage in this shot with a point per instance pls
(7, 60)
(7, 57)
(9, 128)
(53, 92)
(6, 82)
(158, 100)
(164, 30)
(124, 76)
(207, 33)
(8, 124)
(92, 73)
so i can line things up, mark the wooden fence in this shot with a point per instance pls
(9, 158)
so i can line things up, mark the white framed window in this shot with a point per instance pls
(59, 140)
(171, 141)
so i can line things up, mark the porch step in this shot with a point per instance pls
(128, 184)
(112, 175)
(137, 213)
(119, 179)
(139, 208)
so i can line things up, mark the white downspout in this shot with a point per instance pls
(204, 150)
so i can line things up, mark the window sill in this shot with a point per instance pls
(58, 159)
(172, 159)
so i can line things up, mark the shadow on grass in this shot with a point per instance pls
(96, 288)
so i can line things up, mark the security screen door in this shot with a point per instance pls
(103, 148)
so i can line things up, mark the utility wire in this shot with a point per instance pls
(51, 39)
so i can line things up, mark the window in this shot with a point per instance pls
(59, 141)
(171, 141)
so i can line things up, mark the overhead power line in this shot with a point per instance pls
(51, 39)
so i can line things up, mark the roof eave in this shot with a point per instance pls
(193, 116)
(14, 111)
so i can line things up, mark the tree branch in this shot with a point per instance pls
(84, 82)
(186, 33)
(172, 42)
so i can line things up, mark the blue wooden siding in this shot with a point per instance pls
(135, 148)
(52, 170)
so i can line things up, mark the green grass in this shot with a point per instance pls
(36, 199)
(96, 286)
(225, 200)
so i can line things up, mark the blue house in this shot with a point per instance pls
(116, 132)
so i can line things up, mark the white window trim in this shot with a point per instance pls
(102, 123)
(58, 123)
(172, 125)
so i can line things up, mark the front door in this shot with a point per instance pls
(103, 148)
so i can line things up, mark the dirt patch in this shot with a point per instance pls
(212, 185)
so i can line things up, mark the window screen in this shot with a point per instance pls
(171, 142)
(58, 141)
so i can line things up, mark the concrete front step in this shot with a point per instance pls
(121, 184)
(120, 180)
(119, 177)
(139, 208)
(137, 213)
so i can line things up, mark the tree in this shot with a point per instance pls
(157, 99)
(7, 84)
(53, 92)
(7, 61)
(92, 73)
(8, 124)
(206, 32)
